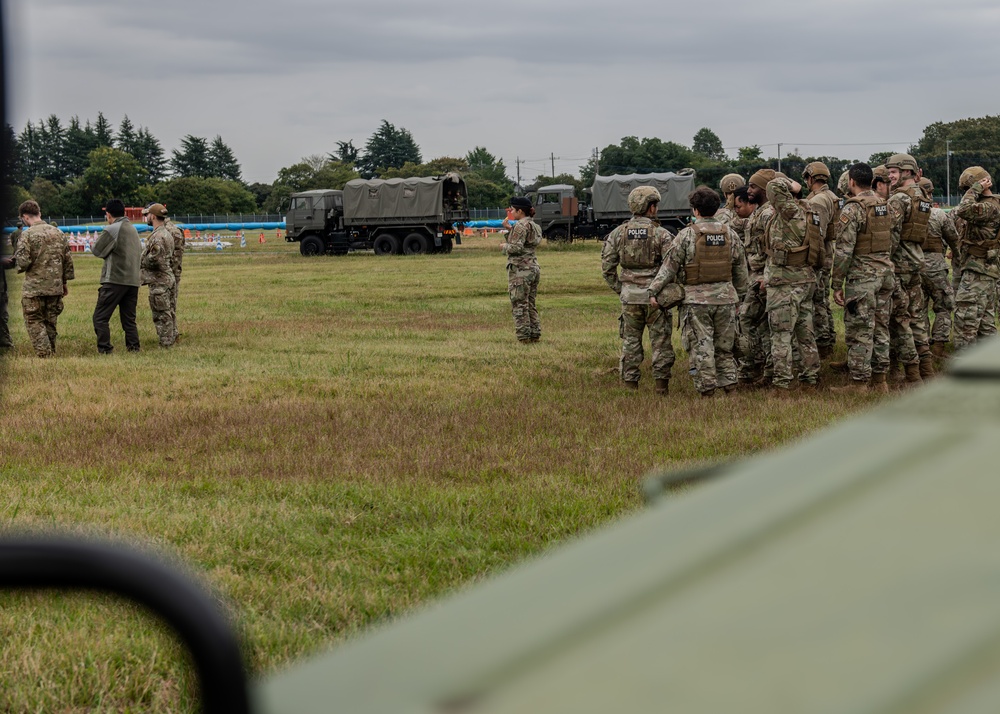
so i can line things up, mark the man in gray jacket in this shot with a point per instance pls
(119, 246)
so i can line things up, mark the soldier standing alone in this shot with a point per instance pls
(43, 256)
(523, 272)
(157, 273)
(707, 258)
(639, 247)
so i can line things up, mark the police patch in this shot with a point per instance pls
(815, 218)
(637, 233)
(881, 211)
(715, 240)
(924, 206)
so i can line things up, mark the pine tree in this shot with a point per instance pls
(192, 158)
(126, 137)
(102, 131)
(80, 141)
(52, 135)
(149, 153)
(222, 161)
(388, 148)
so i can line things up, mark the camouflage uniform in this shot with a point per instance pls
(906, 328)
(866, 276)
(975, 300)
(522, 277)
(789, 288)
(43, 256)
(175, 262)
(754, 337)
(827, 206)
(639, 246)
(934, 278)
(158, 274)
(6, 263)
(708, 314)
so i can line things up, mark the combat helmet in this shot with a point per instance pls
(903, 162)
(926, 185)
(880, 173)
(731, 182)
(970, 176)
(816, 169)
(640, 199)
(842, 185)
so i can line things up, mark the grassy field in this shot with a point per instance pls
(333, 442)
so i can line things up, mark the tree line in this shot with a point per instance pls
(72, 168)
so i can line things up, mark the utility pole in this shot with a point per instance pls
(597, 161)
(947, 158)
(517, 161)
(779, 157)
(553, 157)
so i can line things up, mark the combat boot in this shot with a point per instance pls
(708, 394)
(825, 351)
(662, 387)
(631, 386)
(926, 365)
(878, 383)
(729, 388)
(913, 373)
(857, 386)
(839, 366)
(938, 349)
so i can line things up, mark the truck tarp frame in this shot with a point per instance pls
(419, 199)
(610, 193)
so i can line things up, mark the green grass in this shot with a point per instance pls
(333, 442)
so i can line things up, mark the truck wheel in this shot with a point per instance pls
(312, 245)
(386, 244)
(415, 244)
(557, 234)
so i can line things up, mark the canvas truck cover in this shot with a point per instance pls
(610, 193)
(392, 200)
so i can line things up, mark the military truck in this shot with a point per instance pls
(562, 217)
(390, 216)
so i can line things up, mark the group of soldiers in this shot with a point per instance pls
(752, 279)
(42, 254)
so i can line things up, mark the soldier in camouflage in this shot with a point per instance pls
(975, 300)
(6, 263)
(43, 255)
(638, 247)
(754, 338)
(727, 213)
(523, 272)
(880, 182)
(934, 278)
(707, 259)
(789, 282)
(158, 274)
(825, 203)
(863, 280)
(910, 211)
(175, 261)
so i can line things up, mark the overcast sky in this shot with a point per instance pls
(283, 80)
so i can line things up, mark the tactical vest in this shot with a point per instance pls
(915, 227)
(713, 255)
(797, 257)
(977, 241)
(933, 243)
(875, 236)
(814, 242)
(638, 248)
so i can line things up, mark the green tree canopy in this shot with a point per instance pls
(388, 148)
(707, 143)
(198, 195)
(192, 158)
(111, 173)
(222, 161)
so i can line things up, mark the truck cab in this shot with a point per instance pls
(311, 219)
(556, 209)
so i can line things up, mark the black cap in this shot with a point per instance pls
(522, 202)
